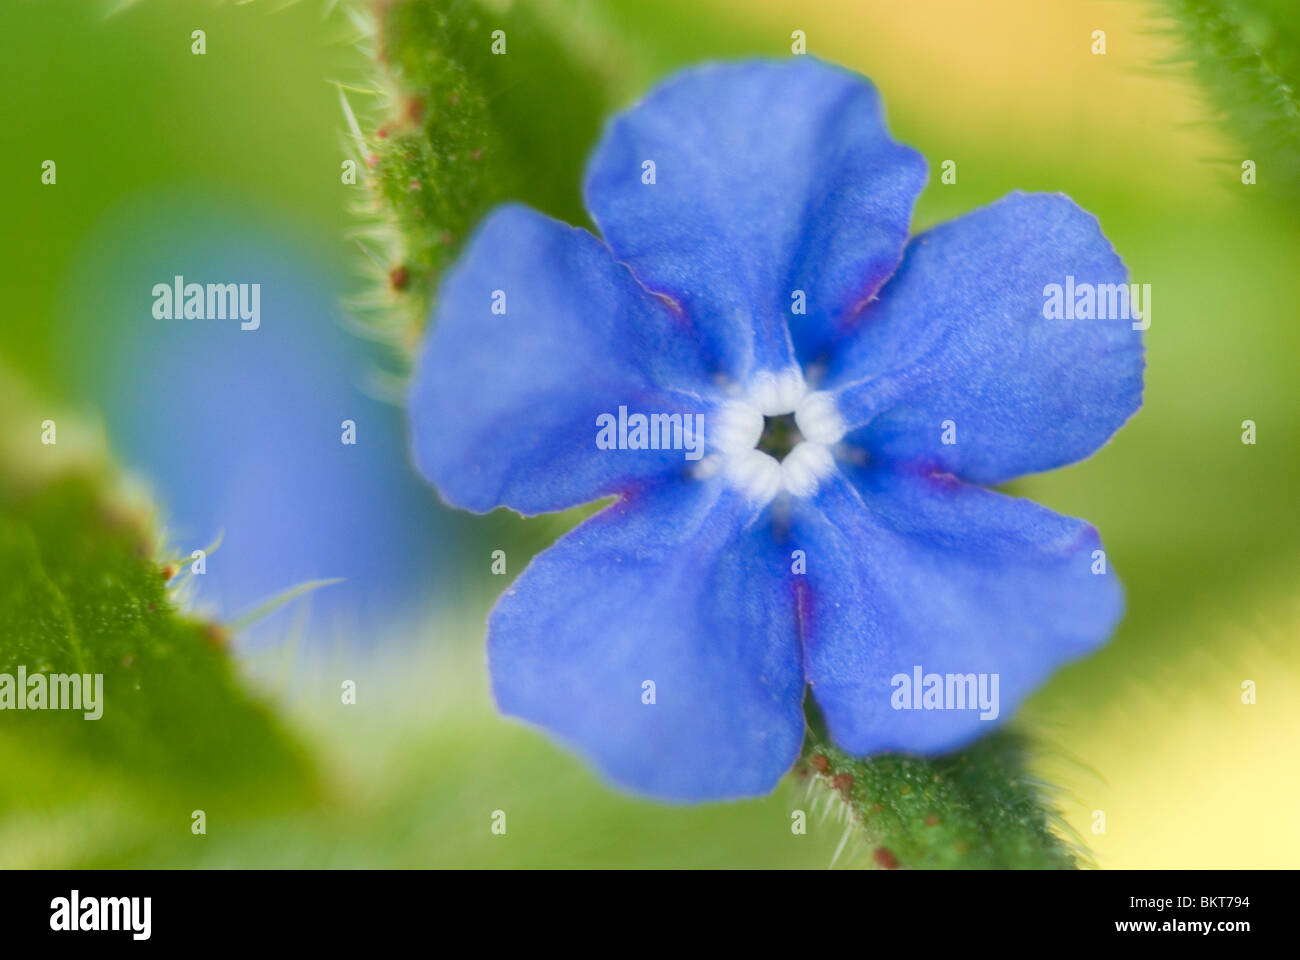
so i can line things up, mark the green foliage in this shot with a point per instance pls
(1246, 53)
(977, 808)
(81, 592)
(464, 129)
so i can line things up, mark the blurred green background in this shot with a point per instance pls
(228, 165)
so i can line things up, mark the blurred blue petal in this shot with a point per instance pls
(910, 570)
(239, 432)
(770, 177)
(682, 586)
(503, 408)
(959, 334)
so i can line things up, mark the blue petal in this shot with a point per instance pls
(503, 408)
(770, 177)
(959, 334)
(911, 570)
(682, 586)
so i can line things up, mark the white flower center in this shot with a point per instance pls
(738, 428)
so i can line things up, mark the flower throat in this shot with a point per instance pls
(779, 435)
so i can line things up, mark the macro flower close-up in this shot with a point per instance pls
(800, 412)
(699, 435)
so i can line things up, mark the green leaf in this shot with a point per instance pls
(83, 590)
(1246, 53)
(977, 808)
(461, 129)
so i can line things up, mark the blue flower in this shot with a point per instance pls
(754, 263)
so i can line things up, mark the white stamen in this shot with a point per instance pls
(756, 474)
(818, 419)
(776, 394)
(804, 466)
(737, 427)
